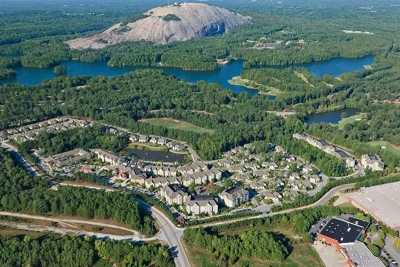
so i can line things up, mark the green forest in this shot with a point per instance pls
(21, 192)
(55, 251)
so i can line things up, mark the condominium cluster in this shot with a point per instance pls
(274, 175)
(31, 131)
(371, 162)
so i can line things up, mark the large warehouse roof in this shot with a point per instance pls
(382, 202)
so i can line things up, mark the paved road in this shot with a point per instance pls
(169, 233)
(173, 236)
(322, 201)
(20, 159)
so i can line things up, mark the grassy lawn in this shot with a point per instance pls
(349, 120)
(254, 85)
(177, 124)
(302, 254)
(385, 146)
(147, 147)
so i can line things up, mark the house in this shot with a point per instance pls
(175, 194)
(162, 141)
(186, 180)
(372, 162)
(235, 196)
(143, 139)
(202, 205)
(133, 138)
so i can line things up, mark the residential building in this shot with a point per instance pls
(175, 194)
(235, 196)
(202, 205)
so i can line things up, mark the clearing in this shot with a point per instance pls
(304, 78)
(238, 80)
(386, 146)
(349, 120)
(177, 125)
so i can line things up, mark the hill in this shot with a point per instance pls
(162, 25)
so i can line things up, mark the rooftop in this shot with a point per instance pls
(342, 231)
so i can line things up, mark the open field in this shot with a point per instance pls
(302, 255)
(349, 120)
(254, 85)
(177, 124)
(386, 146)
(147, 147)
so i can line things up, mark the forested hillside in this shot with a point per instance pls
(21, 192)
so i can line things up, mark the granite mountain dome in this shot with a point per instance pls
(162, 25)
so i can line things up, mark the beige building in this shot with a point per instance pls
(202, 205)
(175, 194)
(235, 196)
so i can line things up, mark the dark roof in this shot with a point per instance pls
(342, 231)
(361, 223)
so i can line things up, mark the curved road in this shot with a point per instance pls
(169, 233)
(322, 201)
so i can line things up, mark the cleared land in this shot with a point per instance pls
(349, 120)
(238, 80)
(177, 125)
(302, 255)
(386, 146)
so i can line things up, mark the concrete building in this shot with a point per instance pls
(235, 196)
(372, 162)
(359, 255)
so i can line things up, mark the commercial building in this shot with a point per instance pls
(338, 231)
(381, 201)
(359, 255)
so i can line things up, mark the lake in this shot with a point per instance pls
(338, 66)
(332, 117)
(221, 76)
(157, 156)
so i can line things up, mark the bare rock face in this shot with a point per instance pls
(162, 25)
